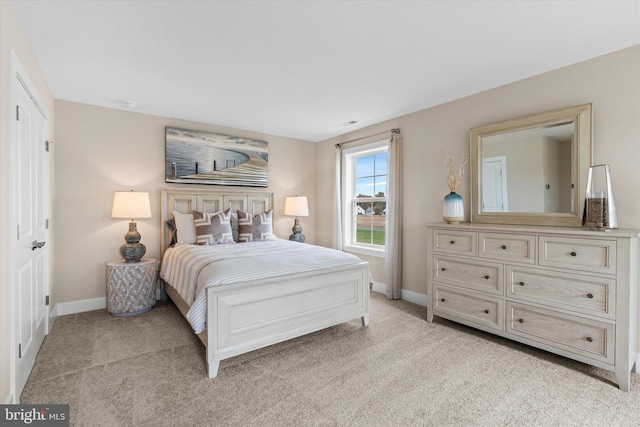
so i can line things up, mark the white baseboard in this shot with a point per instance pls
(380, 288)
(414, 297)
(64, 308)
(405, 295)
(81, 306)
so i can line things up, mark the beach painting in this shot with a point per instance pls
(194, 157)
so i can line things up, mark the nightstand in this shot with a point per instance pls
(131, 286)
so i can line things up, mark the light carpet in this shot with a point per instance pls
(149, 370)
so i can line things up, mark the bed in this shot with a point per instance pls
(234, 308)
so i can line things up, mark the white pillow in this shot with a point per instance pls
(186, 228)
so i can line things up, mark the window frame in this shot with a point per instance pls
(349, 156)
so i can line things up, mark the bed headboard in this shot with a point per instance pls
(208, 201)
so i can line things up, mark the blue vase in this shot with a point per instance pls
(453, 208)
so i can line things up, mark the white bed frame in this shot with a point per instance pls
(246, 316)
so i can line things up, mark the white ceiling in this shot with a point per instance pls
(303, 69)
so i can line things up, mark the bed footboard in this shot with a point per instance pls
(252, 315)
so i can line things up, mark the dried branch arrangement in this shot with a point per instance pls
(455, 168)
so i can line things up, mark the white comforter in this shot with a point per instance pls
(190, 269)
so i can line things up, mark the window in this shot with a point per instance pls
(365, 198)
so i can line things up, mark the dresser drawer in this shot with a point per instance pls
(582, 294)
(455, 242)
(471, 307)
(583, 337)
(581, 254)
(475, 275)
(508, 247)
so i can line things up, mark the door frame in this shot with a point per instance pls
(19, 76)
(503, 176)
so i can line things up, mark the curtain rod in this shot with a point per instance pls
(394, 130)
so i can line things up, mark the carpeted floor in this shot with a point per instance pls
(149, 370)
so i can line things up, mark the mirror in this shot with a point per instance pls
(532, 170)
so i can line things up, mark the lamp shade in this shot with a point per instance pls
(296, 206)
(131, 204)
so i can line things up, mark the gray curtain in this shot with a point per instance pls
(393, 245)
(337, 200)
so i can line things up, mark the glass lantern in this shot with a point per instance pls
(600, 209)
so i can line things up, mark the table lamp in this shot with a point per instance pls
(296, 206)
(132, 205)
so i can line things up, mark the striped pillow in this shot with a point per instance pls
(255, 228)
(213, 228)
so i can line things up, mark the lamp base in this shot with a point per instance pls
(133, 250)
(297, 232)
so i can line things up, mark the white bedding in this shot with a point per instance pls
(190, 269)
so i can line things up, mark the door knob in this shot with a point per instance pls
(35, 245)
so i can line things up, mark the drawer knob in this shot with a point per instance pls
(589, 339)
(486, 311)
(442, 299)
(521, 320)
(486, 277)
(574, 254)
(452, 242)
(589, 295)
(504, 246)
(443, 269)
(521, 283)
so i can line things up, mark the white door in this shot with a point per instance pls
(494, 185)
(30, 198)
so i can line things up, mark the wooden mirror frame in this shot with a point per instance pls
(581, 158)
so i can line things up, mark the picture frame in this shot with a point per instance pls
(197, 157)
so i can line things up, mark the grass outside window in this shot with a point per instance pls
(369, 236)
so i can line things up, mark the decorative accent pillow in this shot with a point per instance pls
(173, 232)
(213, 228)
(234, 225)
(255, 228)
(185, 227)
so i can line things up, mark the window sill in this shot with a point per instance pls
(364, 251)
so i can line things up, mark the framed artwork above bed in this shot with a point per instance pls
(195, 157)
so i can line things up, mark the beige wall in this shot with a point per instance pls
(102, 150)
(12, 37)
(610, 82)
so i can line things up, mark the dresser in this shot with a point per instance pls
(565, 290)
